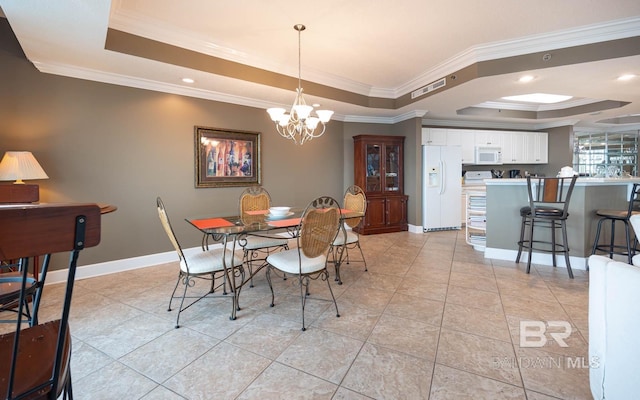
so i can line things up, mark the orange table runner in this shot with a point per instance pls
(283, 223)
(211, 223)
(257, 212)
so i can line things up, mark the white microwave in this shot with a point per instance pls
(488, 155)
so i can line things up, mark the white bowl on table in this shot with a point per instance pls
(279, 211)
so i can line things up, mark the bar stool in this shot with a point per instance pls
(548, 208)
(622, 216)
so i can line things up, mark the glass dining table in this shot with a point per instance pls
(231, 233)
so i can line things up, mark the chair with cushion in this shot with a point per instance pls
(10, 285)
(354, 200)
(257, 199)
(35, 360)
(317, 230)
(548, 208)
(628, 249)
(204, 265)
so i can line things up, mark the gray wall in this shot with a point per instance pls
(125, 146)
(560, 149)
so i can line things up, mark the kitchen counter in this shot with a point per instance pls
(579, 182)
(474, 187)
(505, 197)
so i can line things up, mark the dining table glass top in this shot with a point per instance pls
(254, 221)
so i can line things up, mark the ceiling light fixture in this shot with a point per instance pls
(526, 78)
(626, 77)
(299, 125)
(542, 98)
(187, 80)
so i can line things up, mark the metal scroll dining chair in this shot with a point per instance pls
(201, 265)
(317, 230)
(35, 360)
(257, 199)
(354, 200)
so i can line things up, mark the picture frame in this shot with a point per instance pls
(225, 158)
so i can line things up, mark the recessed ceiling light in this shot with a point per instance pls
(187, 80)
(626, 77)
(539, 98)
(526, 78)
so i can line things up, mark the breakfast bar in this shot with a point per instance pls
(505, 197)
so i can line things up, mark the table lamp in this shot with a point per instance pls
(18, 166)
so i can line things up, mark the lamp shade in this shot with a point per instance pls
(19, 165)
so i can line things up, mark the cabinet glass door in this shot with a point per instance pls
(392, 179)
(373, 168)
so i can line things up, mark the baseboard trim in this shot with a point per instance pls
(122, 265)
(536, 258)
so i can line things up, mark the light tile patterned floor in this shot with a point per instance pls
(431, 319)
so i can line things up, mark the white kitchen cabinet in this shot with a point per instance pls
(525, 148)
(508, 156)
(535, 148)
(517, 147)
(540, 148)
(466, 140)
(516, 151)
(434, 137)
(488, 138)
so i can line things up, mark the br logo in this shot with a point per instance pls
(534, 333)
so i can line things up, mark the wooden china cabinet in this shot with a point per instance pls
(379, 171)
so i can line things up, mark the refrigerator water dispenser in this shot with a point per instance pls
(433, 175)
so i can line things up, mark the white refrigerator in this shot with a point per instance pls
(441, 187)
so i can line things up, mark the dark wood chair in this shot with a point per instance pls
(34, 361)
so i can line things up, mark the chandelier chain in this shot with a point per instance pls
(300, 124)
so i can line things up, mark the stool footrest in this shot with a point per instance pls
(617, 249)
(559, 247)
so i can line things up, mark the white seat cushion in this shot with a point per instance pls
(352, 237)
(259, 242)
(209, 261)
(287, 261)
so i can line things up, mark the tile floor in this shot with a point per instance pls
(431, 319)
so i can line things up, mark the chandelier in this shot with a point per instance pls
(299, 124)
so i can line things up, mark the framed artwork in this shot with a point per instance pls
(226, 157)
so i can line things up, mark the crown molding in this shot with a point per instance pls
(385, 120)
(507, 105)
(498, 125)
(138, 24)
(612, 30)
(73, 71)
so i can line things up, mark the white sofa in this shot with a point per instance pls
(614, 329)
